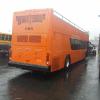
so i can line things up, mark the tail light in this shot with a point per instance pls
(47, 59)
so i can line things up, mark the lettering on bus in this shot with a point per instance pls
(30, 18)
(28, 28)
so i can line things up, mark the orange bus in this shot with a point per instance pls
(42, 39)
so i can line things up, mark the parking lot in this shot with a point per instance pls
(81, 82)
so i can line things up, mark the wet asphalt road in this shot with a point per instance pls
(81, 82)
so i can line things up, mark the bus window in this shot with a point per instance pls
(78, 44)
(3, 37)
(9, 38)
(0, 36)
(6, 37)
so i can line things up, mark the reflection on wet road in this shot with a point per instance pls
(79, 83)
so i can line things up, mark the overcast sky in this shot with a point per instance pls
(82, 12)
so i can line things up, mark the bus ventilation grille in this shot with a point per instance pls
(23, 38)
(34, 38)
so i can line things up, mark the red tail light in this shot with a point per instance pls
(47, 59)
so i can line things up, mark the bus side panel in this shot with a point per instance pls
(77, 55)
(80, 54)
(60, 44)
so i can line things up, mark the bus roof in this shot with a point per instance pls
(70, 22)
(58, 15)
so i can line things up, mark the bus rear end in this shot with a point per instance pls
(30, 40)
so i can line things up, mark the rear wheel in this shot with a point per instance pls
(67, 63)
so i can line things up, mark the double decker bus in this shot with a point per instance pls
(42, 39)
(5, 43)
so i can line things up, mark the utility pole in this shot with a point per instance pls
(99, 53)
(99, 56)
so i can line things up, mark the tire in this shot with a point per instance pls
(67, 63)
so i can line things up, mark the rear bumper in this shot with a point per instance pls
(29, 66)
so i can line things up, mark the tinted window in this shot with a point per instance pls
(9, 38)
(3, 37)
(78, 44)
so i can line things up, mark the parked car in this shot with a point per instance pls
(91, 49)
